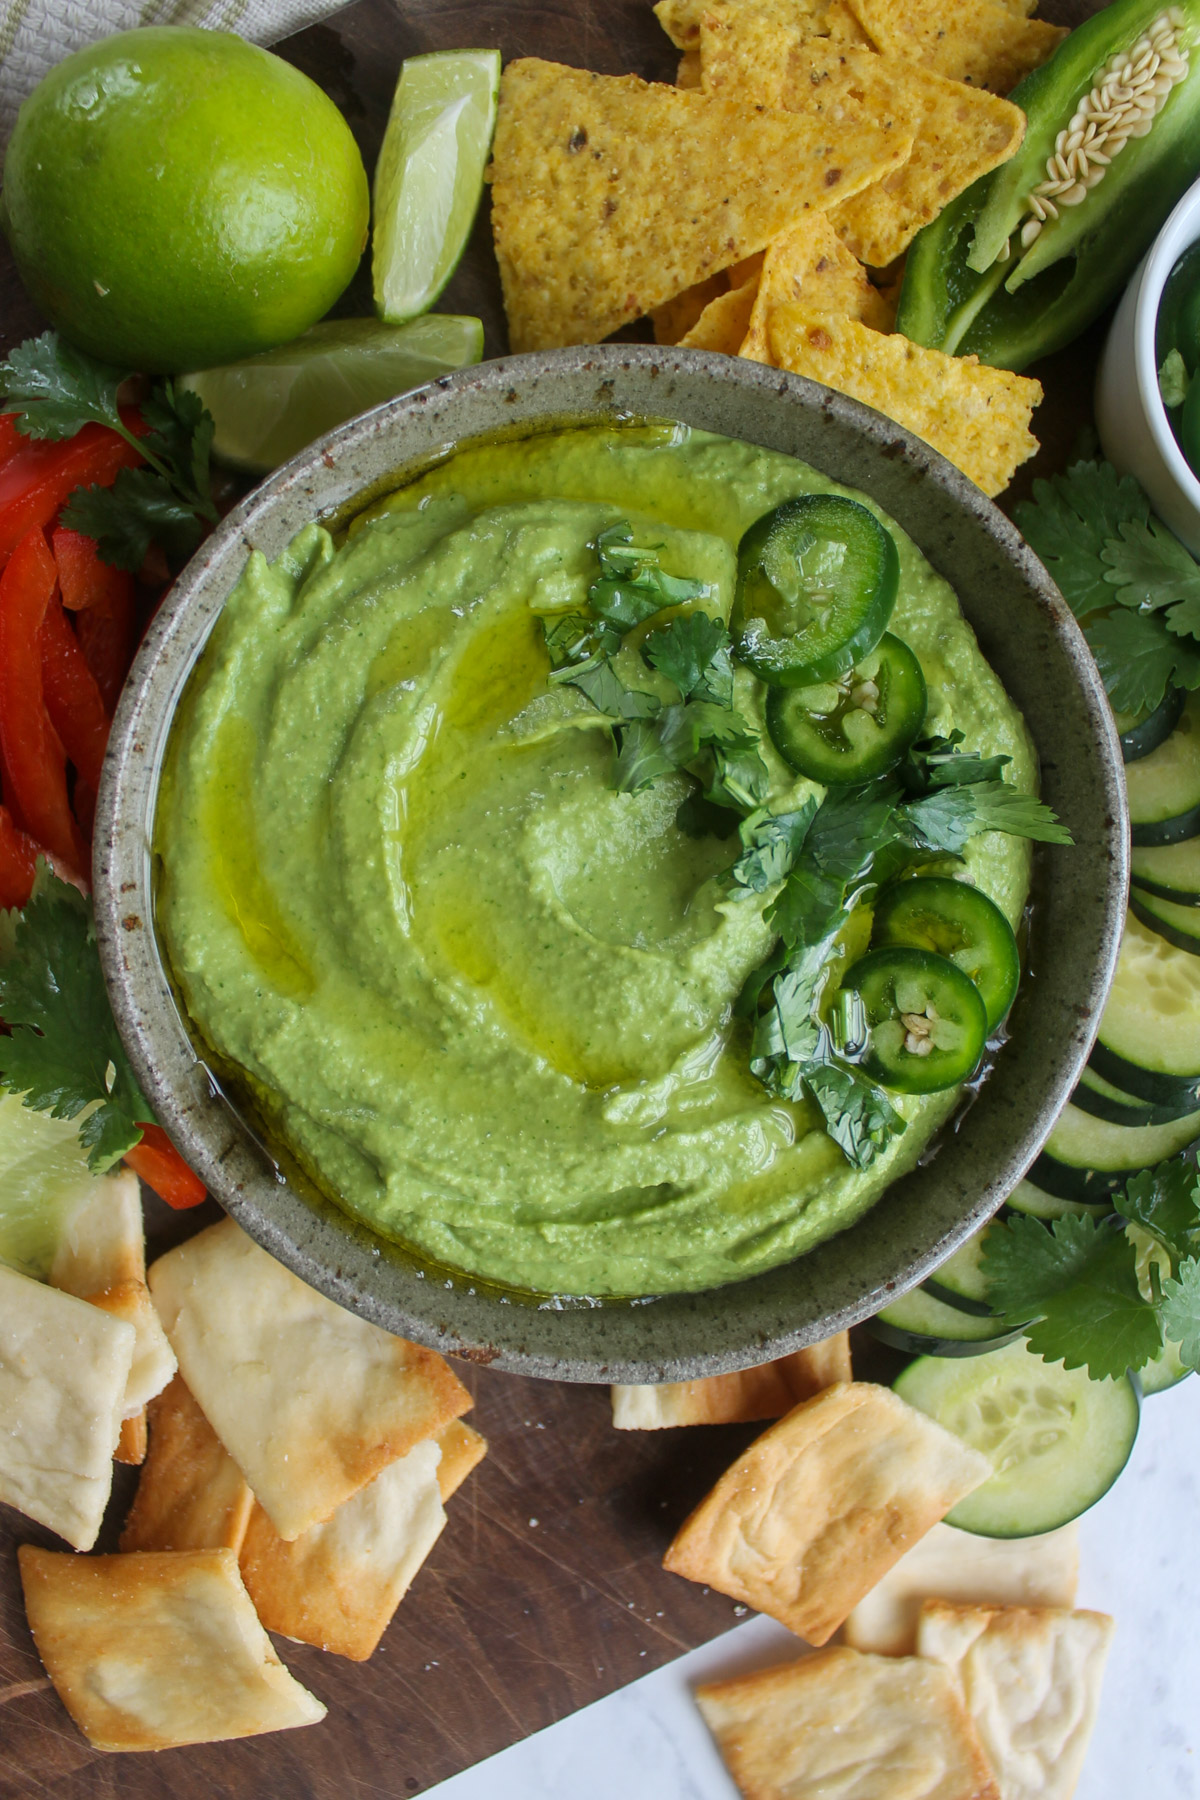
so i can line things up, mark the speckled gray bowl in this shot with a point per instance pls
(1026, 633)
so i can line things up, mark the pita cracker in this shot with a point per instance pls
(155, 1650)
(101, 1258)
(309, 1400)
(1031, 1679)
(675, 318)
(819, 1507)
(985, 42)
(956, 1565)
(338, 1585)
(810, 266)
(764, 1393)
(133, 1441)
(463, 1449)
(960, 133)
(191, 1495)
(860, 1727)
(64, 1367)
(610, 195)
(724, 322)
(975, 415)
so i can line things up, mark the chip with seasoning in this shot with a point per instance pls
(724, 322)
(811, 267)
(611, 195)
(681, 19)
(975, 415)
(960, 132)
(989, 43)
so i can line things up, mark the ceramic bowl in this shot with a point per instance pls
(1026, 633)
(1131, 419)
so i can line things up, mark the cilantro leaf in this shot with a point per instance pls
(1150, 568)
(624, 603)
(858, 1116)
(788, 1031)
(771, 843)
(938, 762)
(64, 1053)
(631, 587)
(573, 638)
(694, 652)
(1070, 520)
(609, 695)
(850, 828)
(1165, 1202)
(181, 432)
(739, 778)
(55, 390)
(1181, 1311)
(1139, 658)
(948, 817)
(1026, 1262)
(641, 757)
(1173, 379)
(138, 510)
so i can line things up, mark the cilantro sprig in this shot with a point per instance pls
(64, 1055)
(55, 390)
(1134, 587)
(1089, 1291)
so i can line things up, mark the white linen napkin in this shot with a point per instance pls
(35, 34)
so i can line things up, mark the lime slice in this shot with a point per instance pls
(268, 407)
(429, 177)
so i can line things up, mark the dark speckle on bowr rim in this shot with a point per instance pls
(1024, 630)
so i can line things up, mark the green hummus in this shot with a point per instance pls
(484, 998)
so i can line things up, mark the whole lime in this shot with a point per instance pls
(177, 198)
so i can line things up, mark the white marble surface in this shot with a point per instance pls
(1140, 1561)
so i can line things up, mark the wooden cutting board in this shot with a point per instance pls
(545, 1592)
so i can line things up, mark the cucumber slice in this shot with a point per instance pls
(1058, 1439)
(1178, 830)
(1106, 1101)
(1166, 1371)
(1026, 1198)
(1166, 784)
(921, 1325)
(960, 1280)
(1086, 1158)
(1152, 1020)
(1172, 870)
(1144, 732)
(1180, 925)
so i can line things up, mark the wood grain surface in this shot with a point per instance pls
(545, 1591)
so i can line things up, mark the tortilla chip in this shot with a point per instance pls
(681, 19)
(763, 1393)
(986, 42)
(861, 1727)
(339, 1584)
(462, 1450)
(1031, 1680)
(820, 1506)
(133, 1441)
(101, 1258)
(975, 415)
(156, 1650)
(959, 133)
(309, 1400)
(957, 1565)
(687, 75)
(724, 322)
(748, 269)
(611, 195)
(676, 317)
(64, 1367)
(811, 267)
(191, 1495)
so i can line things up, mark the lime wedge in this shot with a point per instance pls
(268, 407)
(429, 177)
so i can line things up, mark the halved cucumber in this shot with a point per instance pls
(1172, 870)
(1086, 1158)
(1180, 925)
(1164, 787)
(922, 1326)
(960, 1282)
(1151, 1024)
(1026, 1198)
(1143, 732)
(1166, 1371)
(1104, 1100)
(1057, 1438)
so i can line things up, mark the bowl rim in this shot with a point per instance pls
(237, 1167)
(1179, 233)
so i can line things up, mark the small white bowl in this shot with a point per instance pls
(1131, 419)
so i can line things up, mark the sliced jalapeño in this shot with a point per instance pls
(816, 585)
(926, 1021)
(934, 912)
(855, 729)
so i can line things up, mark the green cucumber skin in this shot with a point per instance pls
(1160, 1376)
(1182, 940)
(1036, 1204)
(1146, 1084)
(1090, 1187)
(978, 1309)
(911, 1344)
(1172, 872)
(1166, 831)
(1131, 1112)
(1141, 739)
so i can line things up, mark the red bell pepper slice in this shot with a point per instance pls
(158, 1163)
(84, 579)
(73, 701)
(33, 757)
(40, 477)
(10, 438)
(18, 863)
(107, 632)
